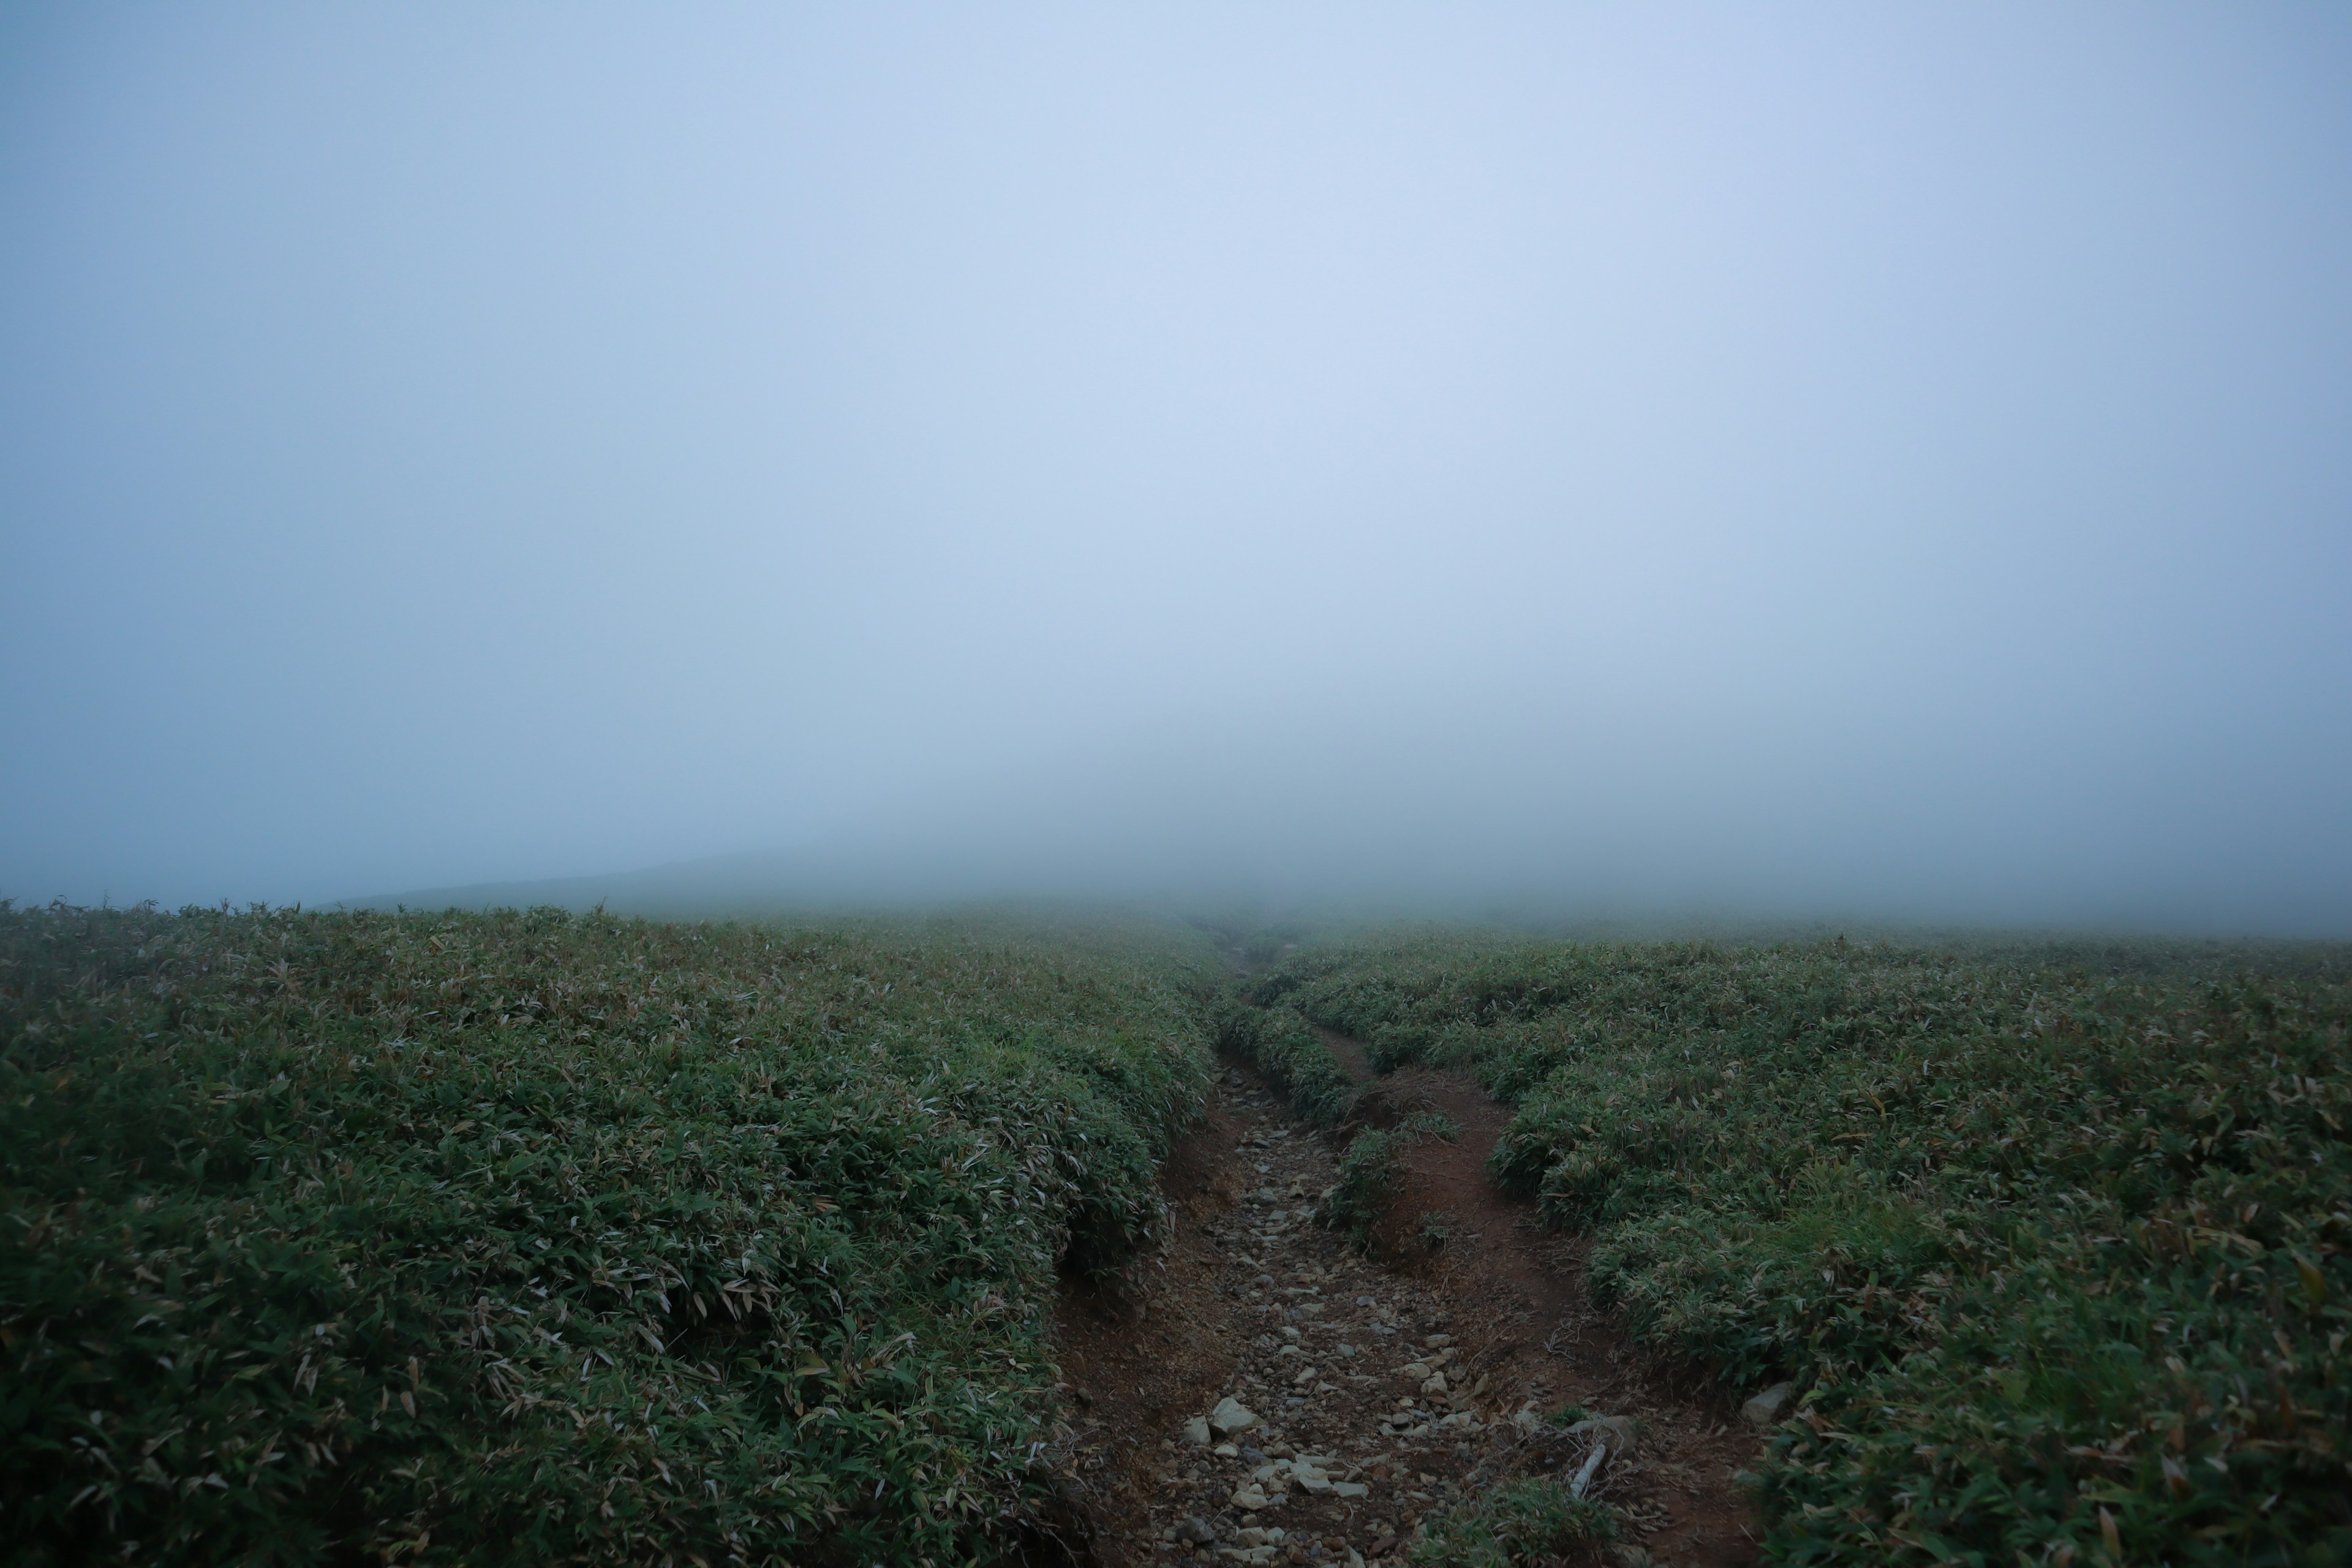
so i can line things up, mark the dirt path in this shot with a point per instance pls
(1381, 1388)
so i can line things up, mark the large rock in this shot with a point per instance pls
(1196, 1431)
(1232, 1416)
(1250, 1498)
(1617, 1431)
(1767, 1408)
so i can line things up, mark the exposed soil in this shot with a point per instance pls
(1255, 1300)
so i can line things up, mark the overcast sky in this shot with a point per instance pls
(1785, 458)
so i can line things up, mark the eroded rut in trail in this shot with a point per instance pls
(1378, 1389)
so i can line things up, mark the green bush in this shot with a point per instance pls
(1286, 1049)
(1368, 1171)
(1517, 1523)
(1372, 1167)
(2054, 1253)
(344, 1235)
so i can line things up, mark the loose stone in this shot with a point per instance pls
(1764, 1410)
(1232, 1416)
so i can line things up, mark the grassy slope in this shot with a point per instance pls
(528, 1235)
(2060, 1252)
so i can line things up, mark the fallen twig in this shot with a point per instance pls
(1592, 1464)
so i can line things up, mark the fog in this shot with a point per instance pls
(1767, 461)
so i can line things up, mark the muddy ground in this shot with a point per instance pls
(1383, 1386)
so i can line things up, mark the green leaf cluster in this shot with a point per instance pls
(1370, 1171)
(1531, 1521)
(1282, 1045)
(1371, 1168)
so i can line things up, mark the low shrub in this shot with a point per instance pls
(345, 1236)
(1516, 1525)
(1369, 1171)
(1372, 1167)
(1284, 1047)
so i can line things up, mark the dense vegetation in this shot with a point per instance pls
(532, 1236)
(444, 1238)
(1286, 1048)
(2057, 1244)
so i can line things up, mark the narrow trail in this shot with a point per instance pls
(1378, 1389)
(1523, 1284)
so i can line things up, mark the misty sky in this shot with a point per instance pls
(1788, 459)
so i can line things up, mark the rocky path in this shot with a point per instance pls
(1262, 1394)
